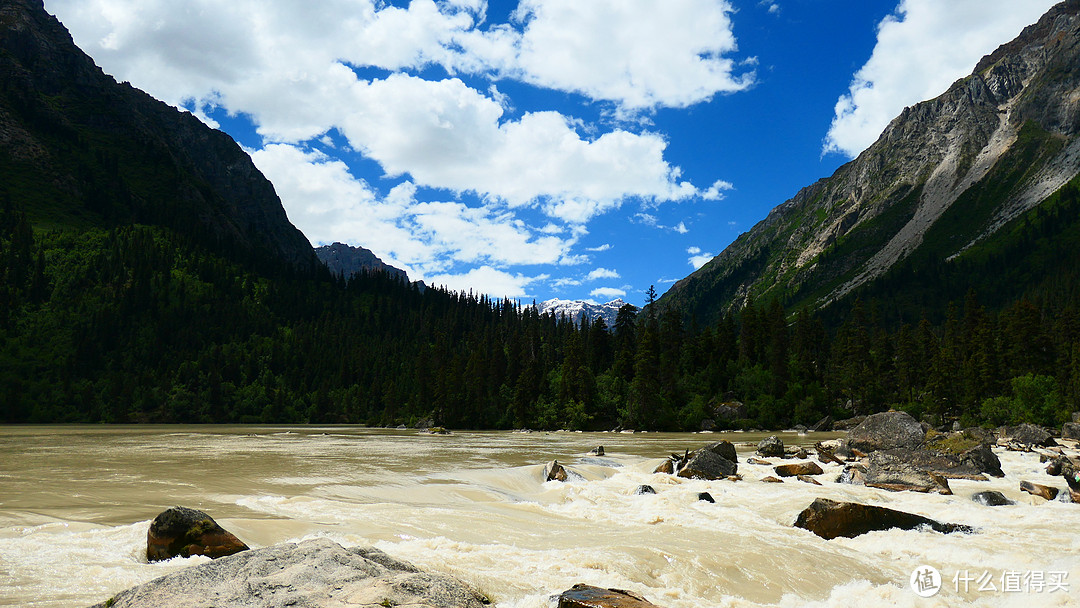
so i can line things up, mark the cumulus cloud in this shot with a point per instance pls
(602, 273)
(922, 49)
(598, 248)
(699, 258)
(716, 191)
(607, 293)
(488, 280)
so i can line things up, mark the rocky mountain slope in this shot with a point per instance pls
(945, 175)
(574, 310)
(346, 261)
(79, 149)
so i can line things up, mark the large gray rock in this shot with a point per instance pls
(723, 449)
(889, 472)
(1029, 435)
(983, 459)
(313, 574)
(704, 464)
(830, 519)
(886, 431)
(587, 596)
(1070, 430)
(771, 446)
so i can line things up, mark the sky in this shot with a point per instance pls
(534, 149)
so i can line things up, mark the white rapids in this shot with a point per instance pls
(75, 504)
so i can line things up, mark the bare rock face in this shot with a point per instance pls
(830, 519)
(312, 573)
(797, 469)
(587, 596)
(183, 532)
(886, 431)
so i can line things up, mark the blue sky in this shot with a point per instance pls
(580, 149)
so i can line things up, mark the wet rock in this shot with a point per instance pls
(771, 479)
(644, 489)
(587, 596)
(1060, 465)
(312, 573)
(723, 449)
(597, 451)
(799, 468)
(854, 474)
(436, 430)
(1039, 490)
(668, 466)
(826, 456)
(705, 496)
(554, 471)
(983, 459)
(799, 452)
(991, 498)
(888, 472)
(704, 464)
(941, 463)
(886, 431)
(808, 479)
(830, 519)
(752, 460)
(1029, 435)
(1070, 430)
(823, 425)
(183, 532)
(771, 447)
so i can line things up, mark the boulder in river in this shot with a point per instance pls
(991, 498)
(983, 459)
(1039, 490)
(771, 447)
(723, 449)
(705, 497)
(798, 468)
(587, 596)
(1029, 435)
(889, 472)
(183, 532)
(830, 519)
(704, 464)
(644, 489)
(597, 451)
(1070, 430)
(316, 572)
(886, 431)
(554, 471)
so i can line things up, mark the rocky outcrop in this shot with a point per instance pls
(797, 469)
(886, 431)
(183, 532)
(587, 596)
(830, 519)
(991, 498)
(345, 261)
(940, 463)
(888, 472)
(312, 573)
(771, 447)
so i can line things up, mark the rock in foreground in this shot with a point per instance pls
(183, 532)
(830, 519)
(312, 573)
(587, 596)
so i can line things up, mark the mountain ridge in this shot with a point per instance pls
(1011, 125)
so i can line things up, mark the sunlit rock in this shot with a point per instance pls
(183, 532)
(587, 596)
(771, 447)
(888, 472)
(798, 468)
(886, 431)
(1039, 490)
(830, 519)
(704, 464)
(554, 471)
(991, 498)
(316, 572)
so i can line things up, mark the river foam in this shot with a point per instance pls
(73, 517)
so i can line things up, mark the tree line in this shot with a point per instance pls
(140, 324)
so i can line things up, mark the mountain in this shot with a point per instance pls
(346, 261)
(574, 310)
(77, 149)
(948, 187)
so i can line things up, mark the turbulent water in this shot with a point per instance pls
(75, 504)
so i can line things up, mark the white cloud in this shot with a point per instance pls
(602, 273)
(607, 293)
(920, 51)
(490, 281)
(716, 191)
(328, 204)
(770, 6)
(604, 247)
(681, 228)
(698, 258)
(638, 53)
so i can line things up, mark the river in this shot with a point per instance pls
(76, 501)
